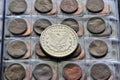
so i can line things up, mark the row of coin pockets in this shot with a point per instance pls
(33, 26)
(60, 71)
(28, 7)
(31, 49)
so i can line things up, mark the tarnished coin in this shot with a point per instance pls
(98, 48)
(59, 40)
(40, 25)
(77, 52)
(18, 6)
(71, 23)
(96, 25)
(107, 32)
(69, 6)
(17, 26)
(100, 71)
(43, 72)
(17, 49)
(15, 72)
(95, 6)
(72, 71)
(43, 6)
(38, 50)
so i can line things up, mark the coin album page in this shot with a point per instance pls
(59, 40)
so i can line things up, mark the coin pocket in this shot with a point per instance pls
(17, 49)
(19, 7)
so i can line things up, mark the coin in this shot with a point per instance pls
(18, 6)
(40, 25)
(80, 8)
(43, 72)
(95, 6)
(59, 40)
(38, 50)
(96, 25)
(72, 71)
(107, 32)
(43, 6)
(100, 71)
(77, 52)
(69, 6)
(17, 26)
(98, 48)
(17, 49)
(15, 72)
(71, 23)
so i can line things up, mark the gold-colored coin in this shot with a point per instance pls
(59, 40)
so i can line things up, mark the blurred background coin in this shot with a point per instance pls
(77, 52)
(100, 71)
(15, 72)
(96, 25)
(40, 25)
(38, 50)
(43, 72)
(18, 6)
(17, 49)
(17, 26)
(69, 6)
(72, 71)
(43, 6)
(95, 6)
(71, 23)
(98, 48)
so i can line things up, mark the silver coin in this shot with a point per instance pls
(59, 40)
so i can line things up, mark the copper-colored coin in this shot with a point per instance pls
(96, 25)
(15, 72)
(43, 72)
(80, 8)
(81, 55)
(77, 52)
(69, 6)
(38, 50)
(43, 6)
(95, 6)
(107, 32)
(40, 25)
(100, 71)
(71, 23)
(72, 71)
(98, 48)
(81, 30)
(17, 49)
(18, 6)
(17, 26)
(54, 10)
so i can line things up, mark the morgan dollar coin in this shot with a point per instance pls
(59, 40)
